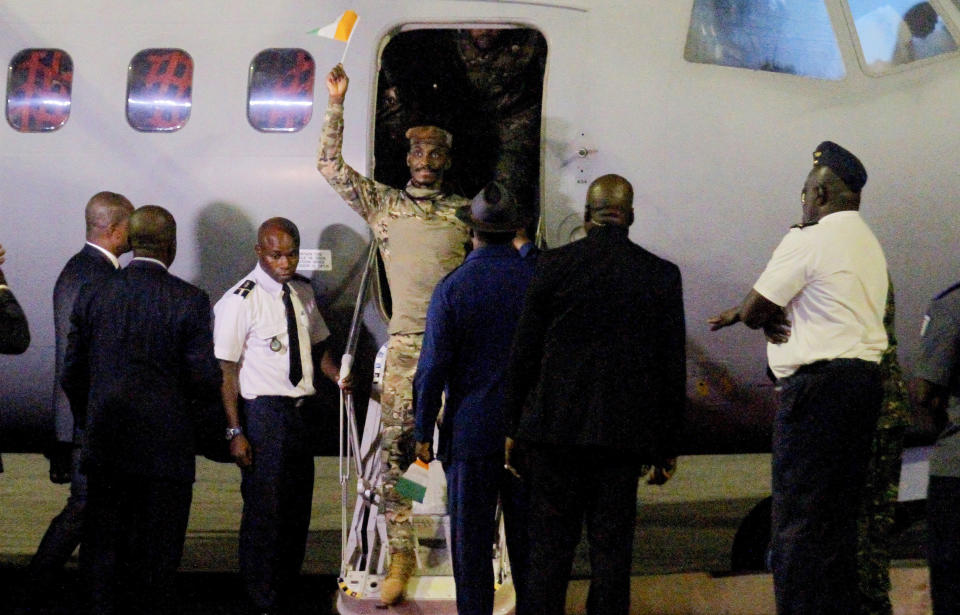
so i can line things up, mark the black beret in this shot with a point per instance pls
(844, 164)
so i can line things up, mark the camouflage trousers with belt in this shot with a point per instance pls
(397, 440)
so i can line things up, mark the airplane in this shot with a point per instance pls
(711, 108)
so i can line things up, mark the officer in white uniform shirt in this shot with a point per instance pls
(266, 329)
(821, 303)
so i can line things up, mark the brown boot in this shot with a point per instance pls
(394, 584)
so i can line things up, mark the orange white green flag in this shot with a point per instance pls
(413, 483)
(340, 30)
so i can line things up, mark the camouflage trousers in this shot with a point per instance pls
(396, 432)
(876, 521)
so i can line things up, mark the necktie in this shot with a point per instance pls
(296, 368)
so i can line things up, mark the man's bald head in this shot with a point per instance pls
(153, 233)
(279, 224)
(610, 201)
(106, 216)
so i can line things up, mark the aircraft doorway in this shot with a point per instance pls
(484, 86)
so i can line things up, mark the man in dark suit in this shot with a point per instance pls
(596, 392)
(107, 216)
(14, 334)
(140, 348)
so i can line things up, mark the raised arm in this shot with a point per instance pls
(360, 193)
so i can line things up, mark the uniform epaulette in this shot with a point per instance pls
(244, 289)
(948, 291)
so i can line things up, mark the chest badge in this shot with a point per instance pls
(275, 344)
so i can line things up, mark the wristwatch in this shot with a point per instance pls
(232, 432)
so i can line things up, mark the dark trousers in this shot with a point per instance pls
(133, 541)
(62, 536)
(565, 487)
(943, 543)
(277, 499)
(821, 446)
(473, 487)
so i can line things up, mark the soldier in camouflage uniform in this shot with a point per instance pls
(421, 240)
(504, 74)
(883, 477)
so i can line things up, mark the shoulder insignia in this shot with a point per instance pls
(244, 289)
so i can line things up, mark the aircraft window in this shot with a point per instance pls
(159, 90)
(897, 32)
(280, 92)
(773, 35)
(38, 90)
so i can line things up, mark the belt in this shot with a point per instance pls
(294, 402)
(825, 365)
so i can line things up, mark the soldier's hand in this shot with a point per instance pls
(241, 451)
(337, 82)
(424, 451)
(663, 471)
(346, 383)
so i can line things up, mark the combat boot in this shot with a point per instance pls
(394, 584)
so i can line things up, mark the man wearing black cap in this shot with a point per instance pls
(821, 303)
(470, 324)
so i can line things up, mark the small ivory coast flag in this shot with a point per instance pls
(340, 30)
(413, 483)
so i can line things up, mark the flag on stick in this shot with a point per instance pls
(339, 30)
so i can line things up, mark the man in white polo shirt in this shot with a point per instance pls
(266, 328)
(820, 302)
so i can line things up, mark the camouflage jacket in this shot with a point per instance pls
(895, 411)
(419, 235)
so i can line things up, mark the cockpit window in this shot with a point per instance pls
(39, 83)
(280, 91)
(774, 35)
(896, 32)
(159, 90)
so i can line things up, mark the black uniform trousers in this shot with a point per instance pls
(62, 536)
(567, 486)
(821, 446)
(943, 543)
(132, 542)
(277, 499)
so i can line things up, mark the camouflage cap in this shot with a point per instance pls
(431, 135)
(844, 164)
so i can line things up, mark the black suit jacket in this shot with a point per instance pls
(88, 266)
(14, 334)
(140, 350)
(599, 355)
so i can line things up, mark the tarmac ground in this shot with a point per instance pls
(681, 561)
